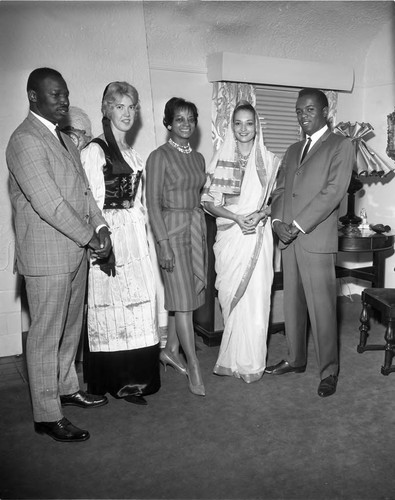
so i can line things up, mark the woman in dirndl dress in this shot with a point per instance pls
(123, 357)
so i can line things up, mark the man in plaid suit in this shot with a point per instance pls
(56, 219)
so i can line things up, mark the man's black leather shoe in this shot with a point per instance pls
(284, 367)
(327, 386)
(83, 400)
(62, 430)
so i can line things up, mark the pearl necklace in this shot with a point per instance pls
(182, 149)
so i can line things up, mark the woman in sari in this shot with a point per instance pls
(239, 182)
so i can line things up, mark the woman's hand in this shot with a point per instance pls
(256, 217)
(245, 224)
(252, 220)
(166, 256)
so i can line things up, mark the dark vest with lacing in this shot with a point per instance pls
(121, 188)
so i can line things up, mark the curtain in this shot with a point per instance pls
(227, 94)
(332, 100)
(225, 97)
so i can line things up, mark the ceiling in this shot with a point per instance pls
(183, 33)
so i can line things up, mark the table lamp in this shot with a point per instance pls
(368, 164)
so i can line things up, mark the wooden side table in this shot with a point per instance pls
(381, 245)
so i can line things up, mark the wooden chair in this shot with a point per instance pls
(381, 300)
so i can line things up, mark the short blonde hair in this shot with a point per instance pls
(115, 90)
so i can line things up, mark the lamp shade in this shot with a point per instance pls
(368, 162)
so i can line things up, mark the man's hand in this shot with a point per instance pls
(106, 265)
(105, 241)
(286, 232)
(101, 243)
(294, 229)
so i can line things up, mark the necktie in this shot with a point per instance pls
(60, 137)
(306, 148)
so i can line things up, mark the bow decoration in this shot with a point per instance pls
(368, 162)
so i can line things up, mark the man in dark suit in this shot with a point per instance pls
(313, 179)
(56, 219)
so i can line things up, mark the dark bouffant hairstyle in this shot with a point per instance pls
(321, 97)
(173, 105)
(243, 105)
(40, 74)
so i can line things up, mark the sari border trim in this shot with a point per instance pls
(247, 377)
(249, 269)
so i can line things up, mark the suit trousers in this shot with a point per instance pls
(56, 304)
(310, 288)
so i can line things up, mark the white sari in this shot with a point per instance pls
(243, 263)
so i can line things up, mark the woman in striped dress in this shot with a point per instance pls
(175, 178)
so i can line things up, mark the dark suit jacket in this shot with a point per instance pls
(310, 193)
(54, 211)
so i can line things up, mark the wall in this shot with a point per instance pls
(166, 44)
(334, 32)
(192, 86)
(91, 45)
(373, 98)
(379, 99)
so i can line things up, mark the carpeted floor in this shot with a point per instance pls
(274, 439)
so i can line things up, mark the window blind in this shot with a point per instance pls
(276, 110)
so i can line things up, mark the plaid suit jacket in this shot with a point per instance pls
(53, 208)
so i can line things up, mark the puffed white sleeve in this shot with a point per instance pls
(93, 161)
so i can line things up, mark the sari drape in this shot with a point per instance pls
(243, 263)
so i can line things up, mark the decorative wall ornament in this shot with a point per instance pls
(391, 136)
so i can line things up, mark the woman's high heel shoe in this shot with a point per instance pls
(198, 390)
(137, 400)
(167, 359)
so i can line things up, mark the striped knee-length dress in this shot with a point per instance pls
(173, 191)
